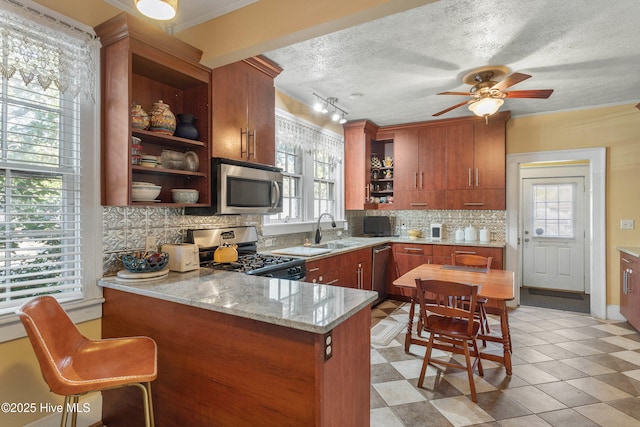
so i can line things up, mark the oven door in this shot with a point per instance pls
(248, 190)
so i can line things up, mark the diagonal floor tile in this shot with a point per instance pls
(534, 399)
(629, 356)
(500, 406)
(461, 411)
(420, 414)
(560, 370)
(533, 375)
(398, 392)
(623, 342)
(614, 329)
(567, 394)
(567, 418)
(384, 417)
(605, 415)
(598, 389)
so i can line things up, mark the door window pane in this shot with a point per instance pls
(554, 210)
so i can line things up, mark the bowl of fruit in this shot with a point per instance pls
(145, 262)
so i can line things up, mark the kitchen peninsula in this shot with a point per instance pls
(236, 349)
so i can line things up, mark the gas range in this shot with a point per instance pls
(249, 261)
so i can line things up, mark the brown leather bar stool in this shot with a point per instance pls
(477, 261)
(73, 365)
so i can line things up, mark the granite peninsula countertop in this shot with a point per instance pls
(305, 306)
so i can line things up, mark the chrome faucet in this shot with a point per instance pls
(319, 229)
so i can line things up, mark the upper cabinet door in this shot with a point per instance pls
(244, 110)
(407, 162)
(431, 158)
(489, 153)
(459, 157)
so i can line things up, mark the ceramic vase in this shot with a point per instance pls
(186, 127)
(162, 119)
(139, 117)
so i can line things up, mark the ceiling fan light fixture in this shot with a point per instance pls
(161, 10)
(486, 106)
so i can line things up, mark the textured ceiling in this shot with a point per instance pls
(390, 70)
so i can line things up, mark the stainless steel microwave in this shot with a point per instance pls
(243, 188)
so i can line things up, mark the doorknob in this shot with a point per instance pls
(526, 240)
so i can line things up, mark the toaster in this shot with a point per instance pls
(182, 256)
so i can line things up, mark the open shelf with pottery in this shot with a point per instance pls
(142, 65)
(381, 185)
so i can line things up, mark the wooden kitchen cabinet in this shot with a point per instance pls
(244, 110)
(350, 269)
(445, 164)
(355, 270)
(142, 64)
(475, 158)
(323, 271)
(419, 160)
(406, 257)
(630, 288)
(358, 136)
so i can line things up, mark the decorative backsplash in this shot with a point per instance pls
(125, 228)
(494, 221)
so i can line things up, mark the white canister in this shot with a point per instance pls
(470, 234)
(459, 235)
(485, 235)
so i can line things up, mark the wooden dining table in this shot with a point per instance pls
(495, 285)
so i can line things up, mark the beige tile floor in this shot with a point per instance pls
(569, 369)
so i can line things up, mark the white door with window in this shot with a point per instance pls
(553, 233)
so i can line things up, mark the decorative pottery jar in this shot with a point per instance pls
(186, 127)
(375, 161)
(162, 119)
(139, 117)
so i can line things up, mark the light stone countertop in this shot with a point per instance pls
(364, 242)
(305, 306)
(631, 250)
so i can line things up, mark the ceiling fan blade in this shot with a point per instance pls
(539, 93)
(509, 81)
(450, 108)
(453, 93)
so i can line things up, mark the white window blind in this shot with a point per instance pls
(40, 167)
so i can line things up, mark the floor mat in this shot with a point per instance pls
(557, 294)
(385, 331)
(558, 300)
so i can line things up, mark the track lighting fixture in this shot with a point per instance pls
(328, 105)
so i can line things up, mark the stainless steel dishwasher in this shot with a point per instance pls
(380, 265)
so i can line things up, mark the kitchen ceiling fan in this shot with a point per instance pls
(488, 93)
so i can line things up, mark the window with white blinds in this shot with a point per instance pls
(40, 162)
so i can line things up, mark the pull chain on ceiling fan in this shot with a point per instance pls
(488, 94)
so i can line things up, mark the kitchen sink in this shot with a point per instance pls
(322, 248)
(337, 244)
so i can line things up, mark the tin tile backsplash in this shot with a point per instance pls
(125, 229)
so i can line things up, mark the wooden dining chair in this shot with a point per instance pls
(451, 325)
(476, 261)
(73, 365)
